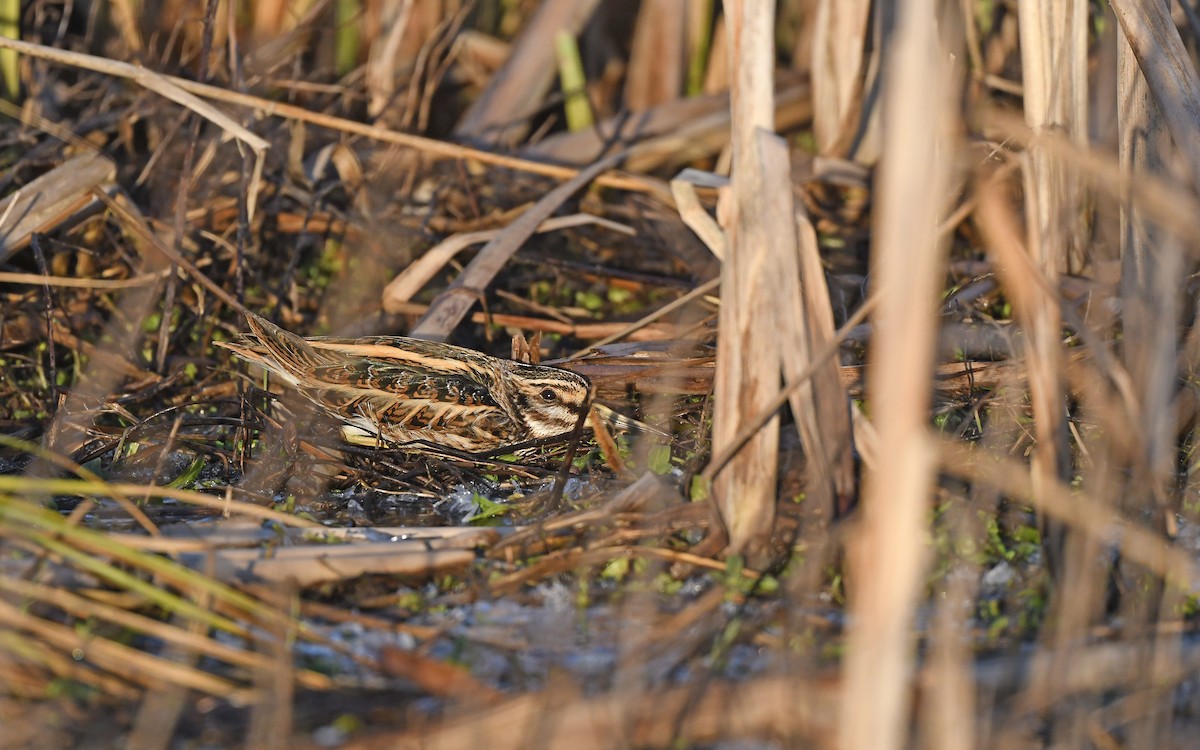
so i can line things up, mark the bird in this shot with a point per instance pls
(419, 394)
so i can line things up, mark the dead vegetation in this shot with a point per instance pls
(901, 293)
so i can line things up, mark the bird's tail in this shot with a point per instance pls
(275, 349)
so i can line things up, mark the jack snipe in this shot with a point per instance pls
(412, 391)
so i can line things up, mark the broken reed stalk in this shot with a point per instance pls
(1155, 42)
(887, 556)
(1054, 38)
(658, 55)
(1160, 92)
(747, 369)
(1152, 264)
(839, 31)
(515, 92)
(1054, 71)
(830, 447)
(791, 322)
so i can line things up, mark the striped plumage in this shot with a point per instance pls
(412, 391)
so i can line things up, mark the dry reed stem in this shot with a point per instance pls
(839, 41)
(947, 708)
(657, 63)
(1152, 264)
(125, 19)
(887, 557)
(480, 54)
(166, 86)
(693, 213)
(437, 678)
(770, 706)
(575, 558)
(802, 324)
(1054, 74)
(1154, 40)
(52, 198)
(1098, 668)
(159, 712)
(207, 538)
(747, 374)
(71, 282)
(586, 331)
(1029, 282)
(71, 487)
(716, 77)
(832, 450)
(518, 89)
(417, 274)
(271, 717)
(312, 565)
(379, 75)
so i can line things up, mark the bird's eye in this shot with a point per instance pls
(548, 394)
